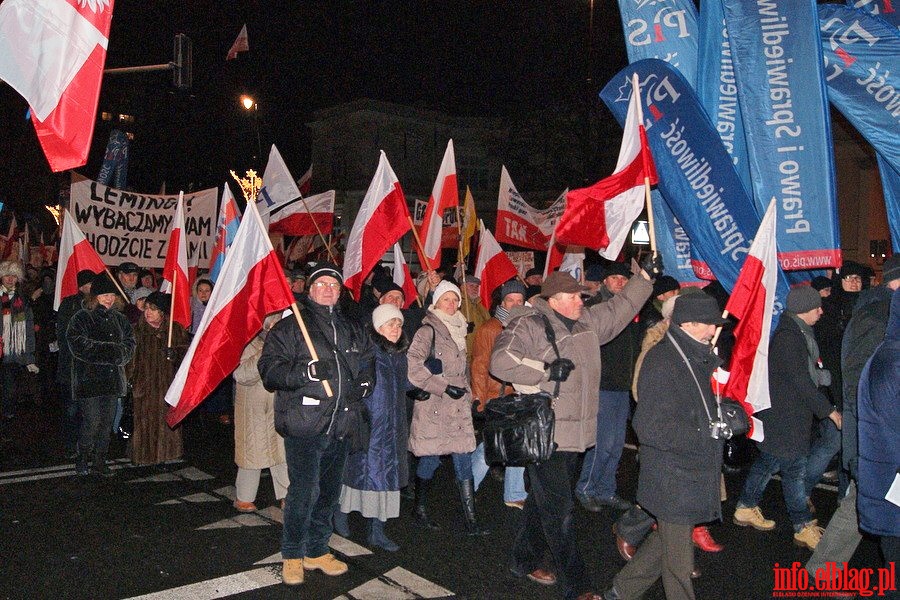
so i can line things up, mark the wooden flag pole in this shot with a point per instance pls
(171, 302)
(465, 293)
(116, 283)
(715, 338)
(309, 345)
(650, 215)
(412, 226)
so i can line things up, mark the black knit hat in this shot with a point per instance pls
(161, 301)
(85, 277)
(803, 299)
(323, 269)
(616, 268)
(697, 308)
(665, 283)
(102, 284)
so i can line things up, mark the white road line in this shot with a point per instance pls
(396, 584)
(219, 587)
(68, 473)
(69, 467)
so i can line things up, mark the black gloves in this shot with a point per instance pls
(653, 264)
(318, 370)
(418, 394)
(455, 392)
(559, 369)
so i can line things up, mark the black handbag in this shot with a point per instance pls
(519, 428)
(434, 366)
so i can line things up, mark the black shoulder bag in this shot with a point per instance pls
(434, 365)
(519, 428)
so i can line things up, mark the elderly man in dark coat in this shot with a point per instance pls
(681, 453)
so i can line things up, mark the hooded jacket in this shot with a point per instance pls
(522, 350)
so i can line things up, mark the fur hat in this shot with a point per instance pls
(803, 299)
(84, 277)
(442, 288)
(12, 267)
(102, 284)
(161, 301)
(384, 313)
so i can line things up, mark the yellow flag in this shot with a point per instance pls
(469, 221)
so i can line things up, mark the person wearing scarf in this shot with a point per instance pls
(18, 341)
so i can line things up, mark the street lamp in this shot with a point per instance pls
(250, 104)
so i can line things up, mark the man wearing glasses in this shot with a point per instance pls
(318, 427)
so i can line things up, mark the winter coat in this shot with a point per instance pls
(440, 425)
(795, 399)
(654, 335)
(302, 407)
(863, 334)
(522, 350)
(619, 354)
(680, 461)
(256, 443)
(67, 309)
(383, 466)
(879, 432)
(151, 374)
(484, 386)
(100, 342)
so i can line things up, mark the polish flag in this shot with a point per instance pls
(241, 44)
(229, 219)
(444, 195)
(493, 266)
(279, 187)
(52, 52)
(75, 254)
(403, 277)
(304, 216)
(600, 216)
(304, 184)
(382, 219)
(175, 270)
(250, 286)
(752, 301)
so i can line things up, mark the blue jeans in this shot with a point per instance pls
(513, 477)
(462, 464)
(824, 447)
(793, 474)
(598, 472)
(315, 467)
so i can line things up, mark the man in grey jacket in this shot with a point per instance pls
(526, 357)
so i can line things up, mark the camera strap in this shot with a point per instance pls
(696, 381)
(551, 337)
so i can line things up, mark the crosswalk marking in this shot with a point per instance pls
(396, 584)
(219, 587)
(53, 472)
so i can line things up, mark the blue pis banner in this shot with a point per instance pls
(880, 8)
(696, 175)
(717, 85)
(114, 170)
(663, 29)
(890, 183)
(862, 71)
(673, 243)
(779, 72)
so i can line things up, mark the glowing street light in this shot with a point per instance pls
(248, 102)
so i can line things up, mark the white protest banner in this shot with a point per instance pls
(449, 233)
(126, 226)
(519, 223)
(522, 260)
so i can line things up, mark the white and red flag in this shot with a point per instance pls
(304, 184)
(600, 216)
(279, 187)
(241, 44)
(493, 266)
(444, 195)
(403, 277)
(519, 223)
(382, 219)
(226, 229)
(52, 52)
(752, 302)
(75, 254)
(251, 285)
(304, 216)
(175, 270)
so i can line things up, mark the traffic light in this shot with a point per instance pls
(182, 75)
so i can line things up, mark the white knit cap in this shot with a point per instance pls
(384, 313)
(442, 288)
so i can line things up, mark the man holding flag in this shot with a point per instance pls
(319, 412)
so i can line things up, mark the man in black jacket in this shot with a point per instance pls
(794, 379)
(318, 427)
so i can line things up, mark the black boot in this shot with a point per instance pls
(341, 524)
(377, 537)
(420, 512)
(81, 463)
(467, 496)
(99, 465)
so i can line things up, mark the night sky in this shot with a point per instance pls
(463, 57)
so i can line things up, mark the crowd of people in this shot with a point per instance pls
(357, 407)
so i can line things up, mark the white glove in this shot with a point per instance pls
(32, 368)
(54, 347)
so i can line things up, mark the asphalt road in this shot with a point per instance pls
(171, 532)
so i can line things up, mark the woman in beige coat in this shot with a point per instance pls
(442, 418)
(257, 445)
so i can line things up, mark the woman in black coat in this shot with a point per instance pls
(102, 343)
(373, 476)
